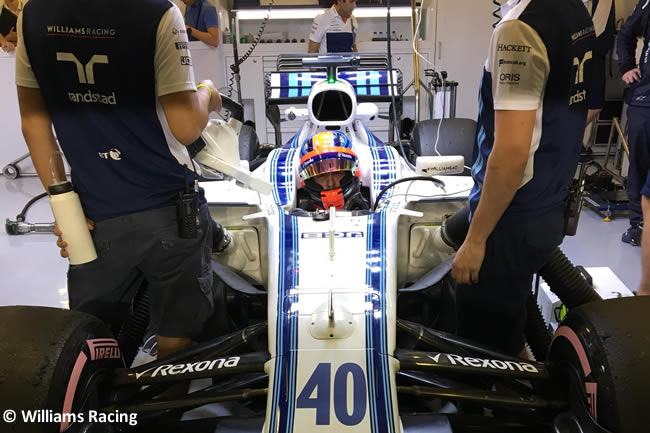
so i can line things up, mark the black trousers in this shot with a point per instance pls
(493, 312)
(638, 138)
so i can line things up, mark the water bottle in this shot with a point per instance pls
(71, 220)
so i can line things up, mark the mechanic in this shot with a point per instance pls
(603, 14)
(9, 11)
(335, 30)
(638, 113)
(123, 122)
(329, 173)
(201, 22)
(533, 101)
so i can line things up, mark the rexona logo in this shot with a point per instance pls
(322, 235)
(173, 370)
(493, 364)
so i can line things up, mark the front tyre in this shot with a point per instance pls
(607, 343)
(52, 362)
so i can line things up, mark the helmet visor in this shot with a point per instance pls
(321, 163)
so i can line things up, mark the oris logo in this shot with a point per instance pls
(509, 78)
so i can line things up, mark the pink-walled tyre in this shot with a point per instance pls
(52, 361)
(606, 346)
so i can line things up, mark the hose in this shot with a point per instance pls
(135, 326)
(21, 216)
(537, 334)
(566, 281)
(496, 13)
(454, 229)
(250, 50)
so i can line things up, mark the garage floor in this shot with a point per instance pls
(33, 273)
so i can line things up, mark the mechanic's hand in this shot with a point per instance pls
(189, 29)
(632, 75)
(63, 244)
(7, 46)
(12, 36)
(468, 261)
(215, 99)
(644, 290)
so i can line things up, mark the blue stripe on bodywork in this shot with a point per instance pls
(377, 358)
(282, 172)
(284, 384)
(384, 165)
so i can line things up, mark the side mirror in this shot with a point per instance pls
(439, 165)
(367, 111)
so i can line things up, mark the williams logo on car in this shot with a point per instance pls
(494, 364)
(173, 370)
(323, 235)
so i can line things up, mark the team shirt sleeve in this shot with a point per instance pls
(172, 60)
(24, 74)
(210, 18)
(519, 65)
(317, 29)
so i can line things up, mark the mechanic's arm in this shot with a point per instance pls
(627, 41)
(211, 37)
(505, 170)
(354, 48)
(313, 47)
(37, 130)
(187, 112)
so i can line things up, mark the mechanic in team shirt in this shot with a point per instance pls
(533, 109)
(637, 76)
(335, 30)
(120, 92)
(201, 22)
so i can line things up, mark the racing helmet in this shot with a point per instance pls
(329, 169)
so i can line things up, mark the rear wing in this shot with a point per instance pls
(369, 85)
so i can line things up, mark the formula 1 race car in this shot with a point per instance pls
(331, 320)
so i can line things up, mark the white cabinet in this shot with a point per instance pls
(462, 38)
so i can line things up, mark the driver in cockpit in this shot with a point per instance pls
(330, 174)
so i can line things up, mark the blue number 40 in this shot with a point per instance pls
(320, 381)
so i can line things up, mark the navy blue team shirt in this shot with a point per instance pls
(94, 63)
(539, 59)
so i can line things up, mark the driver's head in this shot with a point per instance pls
(328, 169)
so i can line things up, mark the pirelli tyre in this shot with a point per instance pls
(52, 362)
(603, 351)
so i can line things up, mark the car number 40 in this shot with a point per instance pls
(317, 394)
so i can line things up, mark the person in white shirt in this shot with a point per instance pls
(335, 30)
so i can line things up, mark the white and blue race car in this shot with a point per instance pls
(331, 320)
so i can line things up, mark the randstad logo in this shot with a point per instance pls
(86, 75)
(89, 97)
